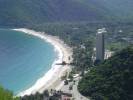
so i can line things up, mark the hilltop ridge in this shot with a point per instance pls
(23, 12)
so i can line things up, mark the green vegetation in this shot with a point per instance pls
(76, 22)
(6, 95)
(22, 12)
(37, 96)
(70, 76)
(82, 57)
(46, 95)
(111, 80)
(81, 37)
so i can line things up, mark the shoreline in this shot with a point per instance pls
(52, 77)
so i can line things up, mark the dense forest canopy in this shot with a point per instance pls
(23, 12)
(111, 80)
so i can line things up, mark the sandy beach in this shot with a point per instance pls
(52, 79)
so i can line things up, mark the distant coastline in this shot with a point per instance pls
(52, 77)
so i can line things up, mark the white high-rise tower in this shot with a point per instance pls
(100, 44)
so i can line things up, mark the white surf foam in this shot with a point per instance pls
(45, 80)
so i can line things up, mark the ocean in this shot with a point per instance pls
(23, 59)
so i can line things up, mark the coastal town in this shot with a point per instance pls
(66, 49)
(65, 86)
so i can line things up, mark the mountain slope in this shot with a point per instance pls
(40, 11)
(111, 80)
(121, 8)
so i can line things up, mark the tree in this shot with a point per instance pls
(6, 95)
(111, 80)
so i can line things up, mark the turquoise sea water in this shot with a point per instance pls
(23, 59)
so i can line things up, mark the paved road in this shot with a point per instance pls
(74, 91)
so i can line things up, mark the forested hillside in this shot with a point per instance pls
(15, 12)
(30, 12)
(111, 80)
(120, 9)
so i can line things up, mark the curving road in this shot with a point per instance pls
(74, 91)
